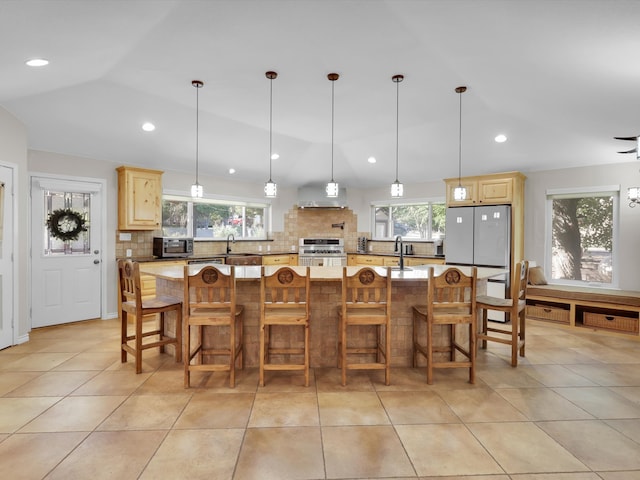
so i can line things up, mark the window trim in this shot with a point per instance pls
(572, 192)
(224, 199)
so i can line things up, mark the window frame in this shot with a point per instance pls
(374, 204)
(577, 192)
(221, 200)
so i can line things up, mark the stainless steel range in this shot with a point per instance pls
(327, 252)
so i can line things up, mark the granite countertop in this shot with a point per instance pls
(207, 256)
(210, 256)
(252, 272)
(392, 254)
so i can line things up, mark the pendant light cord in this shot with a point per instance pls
(460, 91)
(270, 124)
(332, 102)
(197, 128)
(397, 123)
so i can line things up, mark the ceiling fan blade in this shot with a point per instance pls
(630, 151)
(626, 138)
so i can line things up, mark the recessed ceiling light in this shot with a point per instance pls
(500, 138)
(371, 159)
(275, 156)
(148, 127)
(37, 62)
(232, 171)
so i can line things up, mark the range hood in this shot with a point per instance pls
(314, 196)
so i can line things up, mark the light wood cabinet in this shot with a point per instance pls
(139, 198)
(471, 186)
(371, 260)
(286, 259)
(495, 189)
(412, 261)
(389, 261)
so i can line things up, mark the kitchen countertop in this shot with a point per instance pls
(252, 272)
(208, 256)
(263, 254)
(393, 254)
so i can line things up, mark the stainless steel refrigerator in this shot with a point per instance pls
(481, 236)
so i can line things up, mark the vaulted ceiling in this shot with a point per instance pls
(559, 78)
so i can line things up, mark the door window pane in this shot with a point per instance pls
(78, 203)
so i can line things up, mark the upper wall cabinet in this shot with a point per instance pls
(139, 198)
(495, 189)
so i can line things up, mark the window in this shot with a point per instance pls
(214, 219)
(582, 229)
(80, 204)
(415, 221)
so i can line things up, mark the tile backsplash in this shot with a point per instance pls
(298, 223)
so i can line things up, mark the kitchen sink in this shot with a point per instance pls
(243, 259)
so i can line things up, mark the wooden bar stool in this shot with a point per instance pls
(132, 302)
(210, 302)
(451, 301)
(366, 300)
(285, 302)
(514, 308)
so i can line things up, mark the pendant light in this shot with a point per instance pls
(332, 186)
(397, 189)
(270, 188)
(633, 193)
(196, 188)
(460, 192)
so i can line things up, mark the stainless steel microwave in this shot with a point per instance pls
(165, 247)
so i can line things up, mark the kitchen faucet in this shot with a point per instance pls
(399, 240)
(233, 240)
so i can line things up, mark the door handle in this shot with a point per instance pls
(96, 261)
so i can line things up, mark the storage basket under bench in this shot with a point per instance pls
(585, 307)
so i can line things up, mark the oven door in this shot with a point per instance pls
(309, 261)
(322, 261)
(335, 261)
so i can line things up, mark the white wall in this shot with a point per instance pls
(624, 174)
(13, 151)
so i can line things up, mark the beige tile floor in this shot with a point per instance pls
(70, 410)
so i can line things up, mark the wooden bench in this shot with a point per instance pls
(601, 309)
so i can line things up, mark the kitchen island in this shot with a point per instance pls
(409, 287)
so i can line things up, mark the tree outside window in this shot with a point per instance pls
(212, 219)
(582, 237)
(420, 221)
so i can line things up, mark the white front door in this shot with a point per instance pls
(66, 256)
(6, 256)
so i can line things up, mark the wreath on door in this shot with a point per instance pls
(66, 224)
